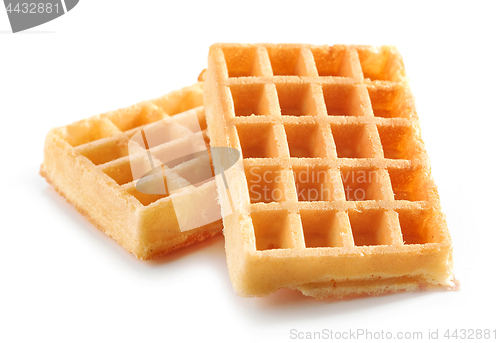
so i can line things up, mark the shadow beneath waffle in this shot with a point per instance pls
(292, 306)
(285, 306)
(213, 246)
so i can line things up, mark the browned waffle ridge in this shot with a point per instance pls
(88, 163)
(336, 194)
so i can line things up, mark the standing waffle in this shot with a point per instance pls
(335, 197)
(91, 163)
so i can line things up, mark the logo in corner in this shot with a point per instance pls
(25, 14)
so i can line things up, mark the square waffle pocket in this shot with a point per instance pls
(89, 163)
(335, 197)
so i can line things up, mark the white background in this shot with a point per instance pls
(62, 280)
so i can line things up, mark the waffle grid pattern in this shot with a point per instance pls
(118, 168)
(374, 131)
(331, 149)
(104, 140)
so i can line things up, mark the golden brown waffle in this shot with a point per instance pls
(88, 163)
(335, 197)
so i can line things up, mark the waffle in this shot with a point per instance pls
(335, 197)
(96, 165)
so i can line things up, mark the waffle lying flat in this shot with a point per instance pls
(90, 163)
(335, 195)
